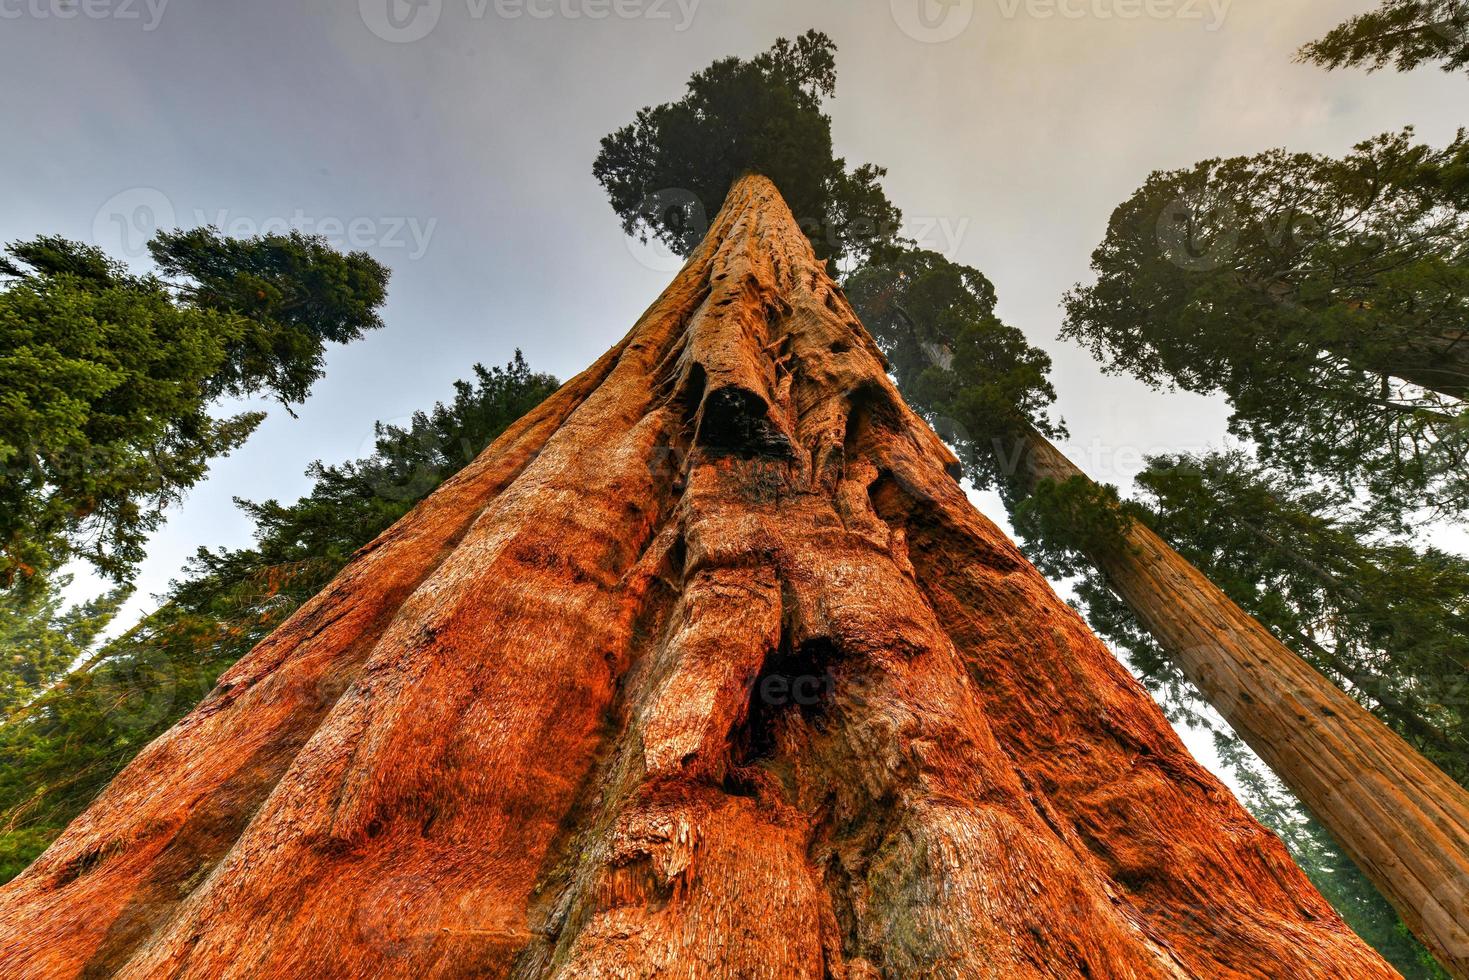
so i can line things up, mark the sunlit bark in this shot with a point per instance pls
(707, 668)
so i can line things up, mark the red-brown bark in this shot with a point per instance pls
(707, 668)
(1398, 816)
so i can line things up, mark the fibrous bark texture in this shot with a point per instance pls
(1397, 815)
(707, 668)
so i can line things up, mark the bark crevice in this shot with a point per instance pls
(726, 679)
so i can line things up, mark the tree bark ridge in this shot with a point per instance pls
(708, 668)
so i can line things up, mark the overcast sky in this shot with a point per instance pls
(453, 139)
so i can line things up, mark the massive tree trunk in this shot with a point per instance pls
(706, 668)
(1400, 818)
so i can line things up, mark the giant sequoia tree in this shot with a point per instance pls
(985, 389)
(705, 666)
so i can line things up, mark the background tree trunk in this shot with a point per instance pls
(706, 668)
(1399, 817)
(1439, 363)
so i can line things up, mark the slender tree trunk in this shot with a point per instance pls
(705, 669)
(1400, 818)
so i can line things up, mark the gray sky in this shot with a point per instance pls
(462, 160)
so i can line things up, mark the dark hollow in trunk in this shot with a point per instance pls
(706, 668)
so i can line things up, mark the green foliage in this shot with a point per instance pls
(976, 379)
(1401, 33)
(290, 295)
(1064, 521)
(58, 753)
(40, 641)
(107, 378)
(668, 172)
(1328, 299)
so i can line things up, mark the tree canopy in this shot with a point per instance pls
(291, 294)
(974, 377)
(107, 378)
(1400, 33)
(40, 640)
(1327, 298)
(667, 172)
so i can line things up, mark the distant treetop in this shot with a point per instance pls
(1400, 33)
(668, 171)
